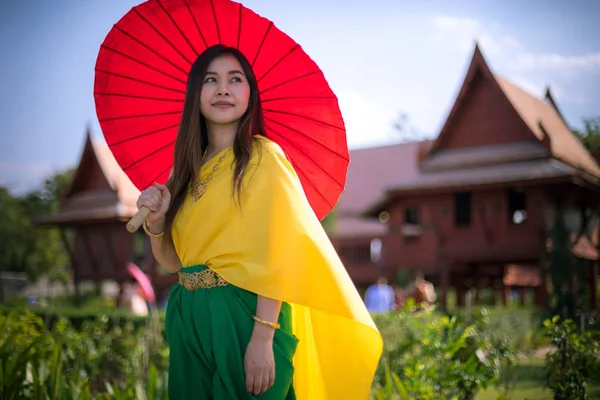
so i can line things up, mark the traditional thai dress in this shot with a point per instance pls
(269, 244)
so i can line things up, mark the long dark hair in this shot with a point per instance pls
(192, 137)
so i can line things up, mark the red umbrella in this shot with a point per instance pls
(141, 75)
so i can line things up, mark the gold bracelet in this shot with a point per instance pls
(147, 230)
(273, 325)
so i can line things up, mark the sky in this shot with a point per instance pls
(382, 58)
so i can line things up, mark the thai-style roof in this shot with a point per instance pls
(370, 171)
(99, 191)
(538, 147)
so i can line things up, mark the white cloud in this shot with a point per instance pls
(509, 57)
(557, 61)
(528, 85)
(461, 32)
(367, 122)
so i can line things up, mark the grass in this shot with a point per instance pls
(529, 384)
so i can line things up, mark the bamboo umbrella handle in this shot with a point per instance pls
(138, 219)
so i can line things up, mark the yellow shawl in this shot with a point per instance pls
(273, 245)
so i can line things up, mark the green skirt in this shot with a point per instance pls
(208, 330)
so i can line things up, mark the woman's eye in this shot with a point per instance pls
(236, 79)
(210, 79)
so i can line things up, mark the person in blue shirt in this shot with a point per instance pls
(379, 297)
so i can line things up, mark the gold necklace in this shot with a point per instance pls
(200, 188)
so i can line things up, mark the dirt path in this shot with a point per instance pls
(537, 353)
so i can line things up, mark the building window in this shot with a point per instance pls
(376, 247)
(411, 216)
(356, 254)
(362, 254)
(516, 206)
(462, 209)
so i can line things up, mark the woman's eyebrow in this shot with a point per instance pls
(232, 72)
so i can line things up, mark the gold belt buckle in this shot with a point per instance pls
(205, 279)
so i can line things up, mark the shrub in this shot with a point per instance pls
(432, 356)
(98, 361)
(573, 362)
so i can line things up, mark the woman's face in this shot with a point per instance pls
(225, 91)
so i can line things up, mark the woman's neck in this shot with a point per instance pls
(220, 137)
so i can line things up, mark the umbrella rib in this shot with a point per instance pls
(177, 27)
(289, 81)
(303, 117)
(141, 135)
(150, 49)
(162, 36)
(345, 158)
(148, 155)
(298, 98)
(306, 179)
(261, 43)
(140, 116)
(139, 81)
(212, 5)
(313, 186)
(297, 46)
(143, 63)
(132, 96)
(239, 25)
(158, 176)
(309, 158)
(196, 23)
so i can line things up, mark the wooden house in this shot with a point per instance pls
(472, 208)
(95, 208)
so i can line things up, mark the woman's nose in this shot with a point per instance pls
(223, 90)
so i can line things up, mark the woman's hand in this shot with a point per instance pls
(259, 363)
(157, 198)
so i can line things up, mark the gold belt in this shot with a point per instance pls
(204, 279)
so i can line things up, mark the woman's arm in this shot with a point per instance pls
(268, 310)
(164, 252)
(158, 198)
(259, 362)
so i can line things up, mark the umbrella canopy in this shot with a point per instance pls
(140, 83)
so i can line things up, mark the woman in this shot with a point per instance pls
(262, 297)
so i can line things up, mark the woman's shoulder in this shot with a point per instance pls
(266, 144)
(267, 151)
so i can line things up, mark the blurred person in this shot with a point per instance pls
(424, 290)
(380, 297)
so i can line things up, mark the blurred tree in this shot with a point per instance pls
(561, 263)
(329, 223)
(14, 235)
(590, 135)
(25, 248)
(404, 130)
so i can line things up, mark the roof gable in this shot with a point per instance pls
(99, 190)
(88, 175)
(481, 115)
(537, 120)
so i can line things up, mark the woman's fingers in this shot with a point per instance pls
(271, 380)
(152, 198)
(250, 381)
(164, 192)
(258, 383)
